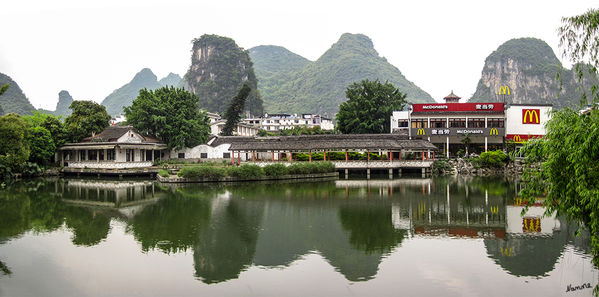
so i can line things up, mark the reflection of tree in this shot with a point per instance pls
(5, 269)
(528, 256)
(173, 224)
(89, 227)
(370, 226)
(228, 245)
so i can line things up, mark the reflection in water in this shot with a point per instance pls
(353, 224)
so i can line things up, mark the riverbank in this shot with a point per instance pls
(232, 179)
(473, 167)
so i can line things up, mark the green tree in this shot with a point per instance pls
(4, 88)
(171, 114)
(87, 117)
(233, 113)
(369, 107)
(466, 141)
(56, 128)
(41, 145)
(579, 39)
(14, 148)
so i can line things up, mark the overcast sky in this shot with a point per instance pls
(91, 48)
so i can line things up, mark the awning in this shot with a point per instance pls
(86, 147)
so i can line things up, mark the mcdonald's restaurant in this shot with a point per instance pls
(476, 127)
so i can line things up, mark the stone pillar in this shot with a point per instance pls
(390, 173)
(447, 147)
(232, 157)
(423, 172)
(368, 173)
(346, 173)
(399, 172)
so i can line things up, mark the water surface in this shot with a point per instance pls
(402, 237)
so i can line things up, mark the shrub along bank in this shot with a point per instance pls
(248, 171)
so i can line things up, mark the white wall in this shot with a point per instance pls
(196, 151)
(396, 116)
(514, 121)
(130, 136)
(514, 220)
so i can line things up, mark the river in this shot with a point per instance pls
(401, 237)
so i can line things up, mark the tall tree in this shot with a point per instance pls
(14, 148)
(569, 152)
(233, 113)
(579, 39)
(369, 107)
(87, 117)
(171, 114)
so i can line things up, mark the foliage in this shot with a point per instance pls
(319, 87)
(41, 145)
(303, 130)
(216, 77)
(14, 148)
(275, 170)
(56, 128)
(579, 37)
(202, 172)
(310, 168)
(245, 171)
(493, 158)
(233, 113)
(369, 107)
(170, 114)
(569, 170)
(14, 100)
(337, 156)
(30, 169)
(163, 173)
(466, 141)
(440, 166)
(87, 117)
(4, 88)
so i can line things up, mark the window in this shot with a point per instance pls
(420, 123)
(82, 155)
(457, 123)
(110, 154)
(438, 123)
(476, 123)
(101, 155)
(402, 123)
(92, 155)
(181, 155)
(130, 155)
(495, 123)
(203, 155)
(226, 155)
(148, 155)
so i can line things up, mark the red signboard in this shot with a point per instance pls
(531, 116)
(521, 138)
(459, 107)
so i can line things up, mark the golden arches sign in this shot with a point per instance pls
(494, 132)
(530, 116)
(517, 138)
(420, 132)
(504, 90)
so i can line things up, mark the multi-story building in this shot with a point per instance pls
(477, 127)
(282, 121)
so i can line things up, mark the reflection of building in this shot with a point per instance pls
(115, 147)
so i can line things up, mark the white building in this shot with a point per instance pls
(277, 122)
(241, 129)
(526, 121)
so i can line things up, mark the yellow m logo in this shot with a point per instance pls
(494, 132)
(530, 116)
(504, 90)
(517, 138)
(420, 132)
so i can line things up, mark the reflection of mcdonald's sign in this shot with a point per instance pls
(506, 251)
(504, 90)
(494, 132)
(531, 225)
(494, 209)
(530, 116)
(420, 132)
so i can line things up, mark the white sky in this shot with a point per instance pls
(90, 48)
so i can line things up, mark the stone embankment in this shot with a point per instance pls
(461, 166)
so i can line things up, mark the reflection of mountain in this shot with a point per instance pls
(527, 255)
(227, 246)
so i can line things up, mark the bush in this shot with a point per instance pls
(246, 171)
(493, 158)
(163, 173)
(275, 170)
(202, 172)
(31, 169)
(309, 168)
